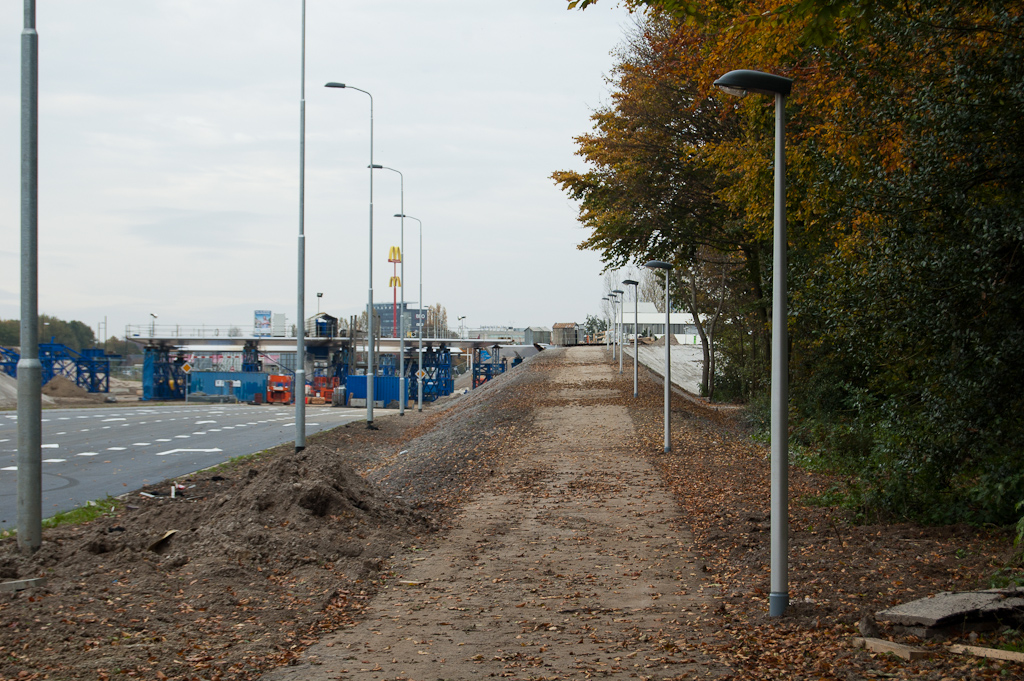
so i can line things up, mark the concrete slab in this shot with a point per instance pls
(958, 608)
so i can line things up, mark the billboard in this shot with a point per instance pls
(261, 323)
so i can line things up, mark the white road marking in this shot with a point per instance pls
(54, 460)
(199, 423)
(120, 419)
(9, 468)
(116, 449)
(49, 446)
(183, 437)
(88, 454)
(175, 451)
(140, 444)
(163, 439)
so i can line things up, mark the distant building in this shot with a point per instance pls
(565, 333)
(536, 334)
(652, 322)
(414, 317)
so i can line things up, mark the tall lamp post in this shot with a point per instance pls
(636, 334)
(740, 83)
(370, 373)
(30, 370)
(615, 327)
(300, 327)
(401, 277)
(608, 331)
(662, 265)
(419, 352)
(622, 301)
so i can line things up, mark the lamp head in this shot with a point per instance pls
(658, 265)
(743, 81)
(630, 282)
(374, 166)
(618, 292)
(332, 84)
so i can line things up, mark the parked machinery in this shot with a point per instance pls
(279, 389)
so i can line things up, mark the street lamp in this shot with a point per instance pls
(401, 279)
(662, 265)
(462, 331)
(740, 83)
(622, 300)
(318, 297)
(614, 299)
(608, 331)
(370, 373)
(419, 383)
(636, 333)
(300, 289)
(152, 325)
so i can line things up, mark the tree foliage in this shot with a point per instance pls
(905, 204)
(74, 334)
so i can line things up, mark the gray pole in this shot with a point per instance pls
(369, 303)
(419, 383)
(778, 599)
(636, 332)
(620, 296)
(668, 367)
(299, 389)
(30, 371)
(401, 308)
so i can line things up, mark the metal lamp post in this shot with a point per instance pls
(662, 265)
(636, 334)
(615, 327)
(608, 331)
(419, 352)
(740, 83)
(622, 301)
(30, 370)
(370, 373)
(300, 327)
(401, 277)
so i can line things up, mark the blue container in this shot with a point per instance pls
(207, 382)
(385, 390)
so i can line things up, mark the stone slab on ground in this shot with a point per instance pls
(880, 645)
(949, 609)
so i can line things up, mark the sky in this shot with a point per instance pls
(169, 156)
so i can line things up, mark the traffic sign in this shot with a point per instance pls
(421, 374)
(186, 367)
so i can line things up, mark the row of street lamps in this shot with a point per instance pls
(741, 83)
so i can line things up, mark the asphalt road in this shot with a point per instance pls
(91, 453)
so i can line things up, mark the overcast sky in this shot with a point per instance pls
(169, 156)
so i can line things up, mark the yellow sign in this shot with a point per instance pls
(395, 282)
(186, 367)
(395, 254)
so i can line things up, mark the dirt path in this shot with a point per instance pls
(572, 564)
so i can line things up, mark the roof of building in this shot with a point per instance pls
(565, 325)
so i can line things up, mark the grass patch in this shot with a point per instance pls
(92, 510)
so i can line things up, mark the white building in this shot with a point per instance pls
(652, 323)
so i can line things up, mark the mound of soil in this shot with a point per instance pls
(235, 577)
(9, 393)
(58, 386)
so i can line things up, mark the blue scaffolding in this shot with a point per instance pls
(486, 365)
(88, 369)
(163, 378)
(438, 382)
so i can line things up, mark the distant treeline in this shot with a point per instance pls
(74, 334)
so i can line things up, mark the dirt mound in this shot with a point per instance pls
(9, 393)
(250, 563)
(58, 386)
(661, 341)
